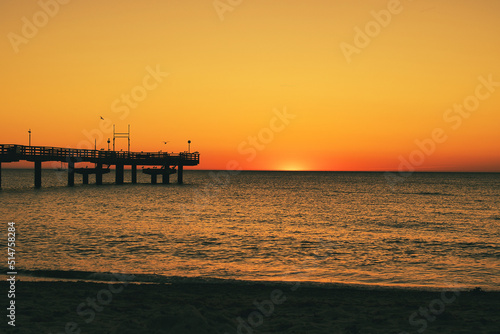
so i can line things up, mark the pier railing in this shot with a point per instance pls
(46, 153)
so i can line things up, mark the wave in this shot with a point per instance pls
(103, 276)
(429, 193)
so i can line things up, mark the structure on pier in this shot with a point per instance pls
(164, 172)
(168, 163)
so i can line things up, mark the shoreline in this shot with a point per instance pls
(254, 307)
(106, 277)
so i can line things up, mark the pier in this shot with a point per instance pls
(159, 163)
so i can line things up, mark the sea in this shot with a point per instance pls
(427, 230)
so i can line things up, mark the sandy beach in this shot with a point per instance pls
(83, 307)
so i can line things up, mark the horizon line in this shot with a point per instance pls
(302, 171)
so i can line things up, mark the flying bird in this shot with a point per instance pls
(102, 118)
(166, 142)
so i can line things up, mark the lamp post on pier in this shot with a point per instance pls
(29, 136)
(189, 146)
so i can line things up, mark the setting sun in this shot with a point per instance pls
(292, 166)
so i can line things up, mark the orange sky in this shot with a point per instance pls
(231, 69)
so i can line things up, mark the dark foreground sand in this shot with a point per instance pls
(79, 307)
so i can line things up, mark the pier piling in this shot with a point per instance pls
(38, 174)
(134, 174)
(180, 171)
(71, 173)
(119, 174)
(98, 174)
(166, 175)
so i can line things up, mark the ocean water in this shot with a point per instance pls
(432, 230)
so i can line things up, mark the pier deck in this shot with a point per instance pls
(39, 154)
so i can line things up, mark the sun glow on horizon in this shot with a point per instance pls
(292, 167)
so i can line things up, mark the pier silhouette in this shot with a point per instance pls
(169, 163)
